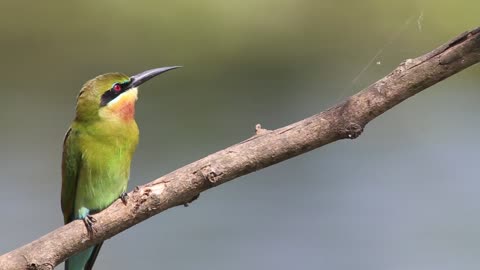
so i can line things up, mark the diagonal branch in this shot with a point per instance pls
(344, 120)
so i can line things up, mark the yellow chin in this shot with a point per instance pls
(122, 106)
(128, 96)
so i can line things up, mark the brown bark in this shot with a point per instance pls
(344, 120)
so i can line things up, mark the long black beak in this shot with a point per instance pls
(140, 78)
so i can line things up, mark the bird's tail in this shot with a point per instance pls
(83, 260)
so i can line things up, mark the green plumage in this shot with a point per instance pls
(97, 152)
(98, 149)
(96, 165)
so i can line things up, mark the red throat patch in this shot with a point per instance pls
(124, 107)
(126, 110)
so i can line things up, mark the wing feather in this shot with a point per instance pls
(71, 159)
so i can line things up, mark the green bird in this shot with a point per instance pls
(97, 151)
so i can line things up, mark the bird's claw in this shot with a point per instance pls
(124, 197)
(89, 221)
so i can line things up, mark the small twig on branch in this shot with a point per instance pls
(345, 120)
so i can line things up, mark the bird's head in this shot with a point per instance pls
(112, 95)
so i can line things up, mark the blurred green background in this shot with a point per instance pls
(412, 204)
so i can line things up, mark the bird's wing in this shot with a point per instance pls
(71, 160)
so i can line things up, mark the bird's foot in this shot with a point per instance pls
(89, 221)
(124, 197)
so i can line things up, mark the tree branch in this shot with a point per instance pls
(344, 120)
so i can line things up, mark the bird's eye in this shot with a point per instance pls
(117, 87)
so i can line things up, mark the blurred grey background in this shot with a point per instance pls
(405, 195)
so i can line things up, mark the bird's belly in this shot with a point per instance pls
(102, 178)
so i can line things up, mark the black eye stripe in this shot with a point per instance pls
(112, 93)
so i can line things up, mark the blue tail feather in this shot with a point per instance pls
(83, 260)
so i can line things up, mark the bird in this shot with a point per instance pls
(97, 151)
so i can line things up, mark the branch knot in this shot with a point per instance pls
(211, 174)
(351, 131)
